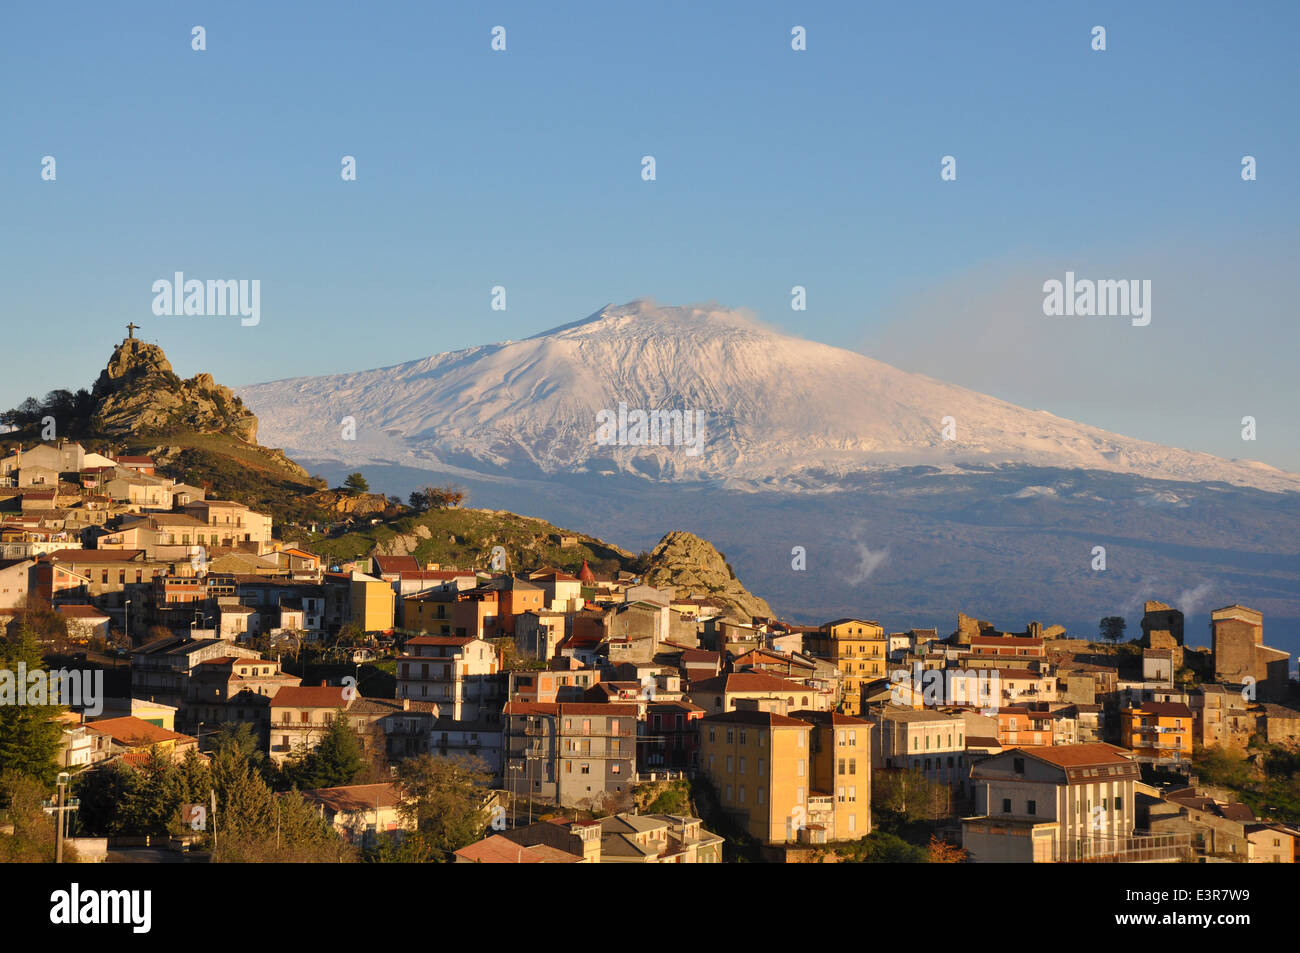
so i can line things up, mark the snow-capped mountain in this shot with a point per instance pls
(774, 411)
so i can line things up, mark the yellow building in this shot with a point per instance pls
(788, 780)
(758, 763)
(373, 603)
(1158, 731)
(859, 649)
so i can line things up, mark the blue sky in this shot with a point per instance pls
(775, 168)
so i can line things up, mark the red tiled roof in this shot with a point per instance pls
(96, 555)
(310, 696)
(133, 731)
(569, 708)
(401, 564)
(499, 850)
(355, 797)
(750, 717)
(1078, 756)
(747, 682)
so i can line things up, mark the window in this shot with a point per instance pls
(731, 736)
(742, 765)
(1006, 805)
(586, 768)
(1031, 807)
(841, 767)
(801, 763)
(762, 767)
(712, 735)
(853, 794)
(1017, 764)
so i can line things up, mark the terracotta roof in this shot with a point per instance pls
(134, 732)
(1164, 709)
(499, 850)
(830, 718)
(747, 682)
(96, 555)
(569, 708)
(310, 696)
(1078, 756)
(749, 717)
(355, 797)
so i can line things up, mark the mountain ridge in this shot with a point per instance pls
(781, 412)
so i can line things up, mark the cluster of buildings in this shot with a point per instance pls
(572, 689)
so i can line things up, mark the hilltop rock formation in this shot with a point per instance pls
(689, 563)
(139, 393)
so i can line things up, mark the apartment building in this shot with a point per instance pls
(1059, 803)
(300, 717)
(458, 673)
(1158, 732)
(930, 742)
(858, 648)
(570, 753)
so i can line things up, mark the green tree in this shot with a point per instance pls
(30, 735)
(1112, 628)
(337, 760)
(102, 791)
(32, 839)
(356, 484)
(442, 801)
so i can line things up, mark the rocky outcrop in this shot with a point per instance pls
(345, 504)
(694, 565)
(139, 393)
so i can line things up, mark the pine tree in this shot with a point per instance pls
(337, 760)
(30, 735)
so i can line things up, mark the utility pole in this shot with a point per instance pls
(60, 807)
(214, 820)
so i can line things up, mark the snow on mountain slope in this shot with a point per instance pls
(778, 411)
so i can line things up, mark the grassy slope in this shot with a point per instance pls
(464, 538)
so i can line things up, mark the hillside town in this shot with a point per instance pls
(602, 719)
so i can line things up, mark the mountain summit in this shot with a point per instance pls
(776, 411)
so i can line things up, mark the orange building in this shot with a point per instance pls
(1158, 731)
